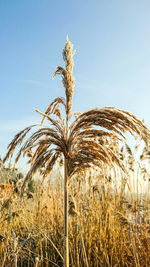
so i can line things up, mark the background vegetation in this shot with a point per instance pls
(108, 224)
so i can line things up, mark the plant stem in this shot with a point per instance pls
(66, 249)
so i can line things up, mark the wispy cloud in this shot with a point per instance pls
(34, 82)
(17, 125)
(96, 86)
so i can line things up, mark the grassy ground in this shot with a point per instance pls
(105, 228)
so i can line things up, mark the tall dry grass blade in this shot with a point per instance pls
(51, 108)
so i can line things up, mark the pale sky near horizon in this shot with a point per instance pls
(112, 60)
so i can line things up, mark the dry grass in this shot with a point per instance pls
(106, 228)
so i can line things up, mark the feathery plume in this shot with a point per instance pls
(68, 80)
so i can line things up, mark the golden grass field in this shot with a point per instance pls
(108, 224)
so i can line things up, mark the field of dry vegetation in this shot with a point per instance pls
(108, 224)
(94, 209)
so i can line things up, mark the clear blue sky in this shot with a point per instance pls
(112, 61)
